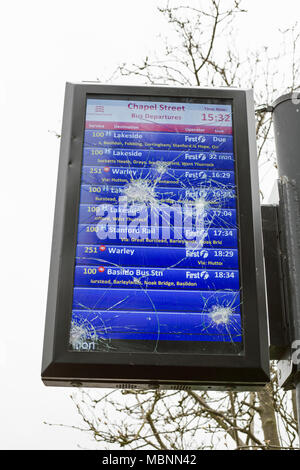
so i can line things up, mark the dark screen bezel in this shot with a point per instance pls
(56, 353)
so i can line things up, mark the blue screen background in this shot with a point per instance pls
(139, 273)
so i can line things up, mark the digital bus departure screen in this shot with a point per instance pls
(157, 255)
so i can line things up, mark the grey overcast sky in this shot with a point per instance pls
(43, 45)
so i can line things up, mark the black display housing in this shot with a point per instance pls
(243, 371)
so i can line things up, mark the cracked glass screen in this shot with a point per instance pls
(157, 255)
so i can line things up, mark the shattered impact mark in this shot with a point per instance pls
(82, 336)
(140, 191)
(201, 206)
(161, 166)
(221, 315)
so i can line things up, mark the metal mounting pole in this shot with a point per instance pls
(298, 401)
(286, 114)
